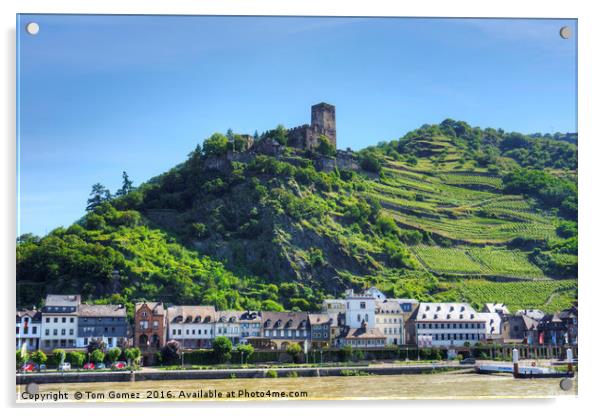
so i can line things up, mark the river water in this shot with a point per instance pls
(423, 386)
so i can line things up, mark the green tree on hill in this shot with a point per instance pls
(127, 185)
(98, 195)
(216, 145)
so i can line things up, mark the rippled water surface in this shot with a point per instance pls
(427, 386)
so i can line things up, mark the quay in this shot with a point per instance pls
(282, 372)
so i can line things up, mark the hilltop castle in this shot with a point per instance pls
(323, 123)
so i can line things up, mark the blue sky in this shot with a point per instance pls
(102, 94)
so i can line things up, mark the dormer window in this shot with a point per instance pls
(472, 316)
(451, 308)
(448, 316)
(436, 316)
(438, 307)
(462, 309)
(427, 308)
(461, 316)
(424, 316)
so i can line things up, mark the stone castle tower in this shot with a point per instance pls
(323, 123)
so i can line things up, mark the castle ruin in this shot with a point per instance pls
(323, 123)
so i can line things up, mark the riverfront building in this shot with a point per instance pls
(448, 324)
(29, 328)
(105, 322)
(149, 326)
(59, 321)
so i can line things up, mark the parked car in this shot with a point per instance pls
(89, 366)
(42, 367)
(119, 365)
(100, 366)
(64, 367)
(28, 367)
(468, 360)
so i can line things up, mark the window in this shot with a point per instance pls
(362, 305)
(173, 332)
(179, 332)
(71, 331)
(55, 332)
(56, 320)
(63, 332)
(366, 316)
(187, 332)
(47, 332)
(359, 317)
(34, 330)
(155, 324)
(267, 332)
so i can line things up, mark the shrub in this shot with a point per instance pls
(271, 374)
(114, 354)
(294, 350)
(38, 357)
(170, 352)
(59, 355)
(97, 356)
(76, 358)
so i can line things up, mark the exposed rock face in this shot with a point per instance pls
(343, 160)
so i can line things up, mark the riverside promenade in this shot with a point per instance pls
(150, 373)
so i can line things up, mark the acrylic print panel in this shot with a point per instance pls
(287, 208)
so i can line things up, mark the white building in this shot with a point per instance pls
(493, 324)
(499, 308)
(59, 321)
(227, 325)
(334, 308)
(389, 320)
(28, 324)
(448, 324)
(191, 326)
(375, 293)
(360, 309)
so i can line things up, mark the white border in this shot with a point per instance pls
(589, 202)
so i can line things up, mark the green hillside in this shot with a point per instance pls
(447, 212)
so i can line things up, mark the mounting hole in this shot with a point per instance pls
(32, 388)
(566, 384)
(565, 32)
(32, 28)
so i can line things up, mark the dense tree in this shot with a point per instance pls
(216, 145)
(98, 195)
(246, 351)
(97, 356)
(222, 348)
(126, 186)
(76, 358)
(114, 354)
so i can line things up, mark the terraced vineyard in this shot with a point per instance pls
(506, 262)
(549, 295)
(472, 180)
(487, 261)
(466, 207)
